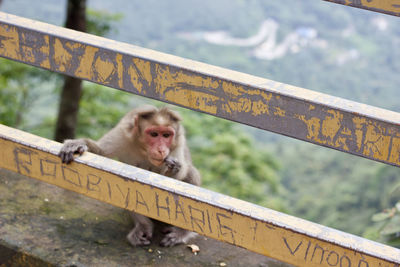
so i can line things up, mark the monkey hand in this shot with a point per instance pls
(173, 166)
(70, 148)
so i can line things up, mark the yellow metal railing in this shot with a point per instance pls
(318, 118)
(314, 117)
(390, 7)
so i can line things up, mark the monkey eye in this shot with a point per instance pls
(153, 134)
(166, 135)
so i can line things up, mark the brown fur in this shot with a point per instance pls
(126, 143)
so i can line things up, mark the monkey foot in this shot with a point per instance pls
(139, 238)
(174, 236)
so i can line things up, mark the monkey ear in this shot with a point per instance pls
(145, 115)
(135, 126)
(174, 116)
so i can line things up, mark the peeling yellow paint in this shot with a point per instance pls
(376, 144)
(62, 57)
(120, 70)
(358, 123)
(331, 125)
(311, 107)
(26, 50)
(145, 70)
(241, 105)
(391, 7)
(45, 50)
(9, 42)
(166, 79)
(232, 89)
(259, 107)
(395, 151)
(388, 5)
(326, 131)
(135, 78)
(373, 140)
(104, 69)
(313, 127)
(243, 102)
(346, 131)
(84, 69)
(280, 112)
(189, 98)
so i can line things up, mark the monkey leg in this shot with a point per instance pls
(175, 235)
(142, 232)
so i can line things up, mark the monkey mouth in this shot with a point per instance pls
(156, 162)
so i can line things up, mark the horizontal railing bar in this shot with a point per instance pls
(390, 7)
(224, 218)
(318, 118)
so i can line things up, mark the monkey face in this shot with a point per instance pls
(158, 141)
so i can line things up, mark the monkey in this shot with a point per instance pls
(151, 139)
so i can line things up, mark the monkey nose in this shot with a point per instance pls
(163, 152)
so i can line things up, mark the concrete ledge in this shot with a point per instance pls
(42, 225)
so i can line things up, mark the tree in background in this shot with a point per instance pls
(72, 88)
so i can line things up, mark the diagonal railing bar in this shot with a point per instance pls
(283, 237)
(314, 117)
(390, 7)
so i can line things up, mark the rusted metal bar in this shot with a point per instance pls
(318, 118)
(243, 224)
(390, 7)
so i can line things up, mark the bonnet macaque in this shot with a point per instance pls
(151, 139)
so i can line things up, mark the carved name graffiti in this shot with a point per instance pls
(180, 210)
